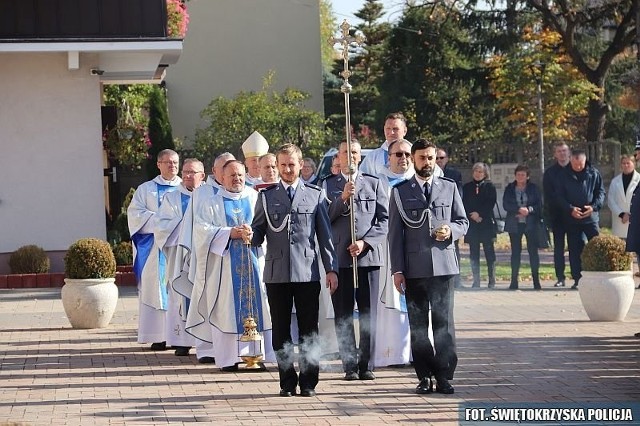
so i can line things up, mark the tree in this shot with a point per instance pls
(327, 29)
(279, 117)
(566, 93)
(366, 68)
(578, 21)
(159, 129)
(434, 73)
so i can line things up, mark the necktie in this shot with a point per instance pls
(426, 190)
(290, 193)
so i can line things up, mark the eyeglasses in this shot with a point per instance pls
(440, 158)
(189, 173)
(402, 154)
(175, 163)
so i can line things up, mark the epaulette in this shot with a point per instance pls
(263, 186)
(446, 178)
(399, 184)
(270, 187)
(367, 174)
(312, 186)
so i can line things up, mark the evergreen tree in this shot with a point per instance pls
(159, 129)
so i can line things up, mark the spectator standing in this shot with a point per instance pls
(523, 205)
(619, 197)
(553, 214)
(308, 173)
(479, 197)
(633, 231)
(442, 160)
(580, 196)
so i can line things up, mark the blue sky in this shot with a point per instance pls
(344, 9)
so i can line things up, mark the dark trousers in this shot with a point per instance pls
(576, 234)
(516, 251)
(559, 233)
(282, 296)
(422, 293)
(489, 251)
(343, 300)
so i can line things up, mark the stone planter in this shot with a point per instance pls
(89, 303)
(606, 296)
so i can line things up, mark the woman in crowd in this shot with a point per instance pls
(479, 198)
(523, 204)
(619, 196)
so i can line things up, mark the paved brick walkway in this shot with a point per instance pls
(522, 346)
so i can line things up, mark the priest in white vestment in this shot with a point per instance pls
(183, 281)
(149, 263)
(227, 283)
(376, 163)
(169, 222)
(254, 147)
(393, 342)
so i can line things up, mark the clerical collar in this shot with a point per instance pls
(230, 195)
(175, 181)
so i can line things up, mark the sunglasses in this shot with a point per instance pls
(402, 154)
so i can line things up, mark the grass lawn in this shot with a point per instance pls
(503, 268)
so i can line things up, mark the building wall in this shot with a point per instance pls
(51, 154)
(232, 45)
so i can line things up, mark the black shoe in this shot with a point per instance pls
(513, 287)
(443, 386)
(207, 360)
(287, 393)
(351, 376)
(182, 350)
(574, 287)
(160, 346)
(230, 368)
(366, 375)
(307, 392)
(425, 386)
(560, 283)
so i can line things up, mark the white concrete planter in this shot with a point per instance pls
(606, 296)
(89, 303)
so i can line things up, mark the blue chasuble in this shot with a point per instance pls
(144, 244)
(245, 275)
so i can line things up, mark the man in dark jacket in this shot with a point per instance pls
(442, 160)
(580, 197)
(552, 212)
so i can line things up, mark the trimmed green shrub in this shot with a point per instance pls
(90, 258)
(123, 252)
(29, 259)
(606, 253)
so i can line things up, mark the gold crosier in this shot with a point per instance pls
(345, 41)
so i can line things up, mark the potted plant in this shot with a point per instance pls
(606, 287)
(89, 295)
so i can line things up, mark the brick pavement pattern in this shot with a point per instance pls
(514, 346)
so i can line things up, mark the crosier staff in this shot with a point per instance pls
(345, 41)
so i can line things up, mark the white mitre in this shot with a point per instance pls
(255, 146)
